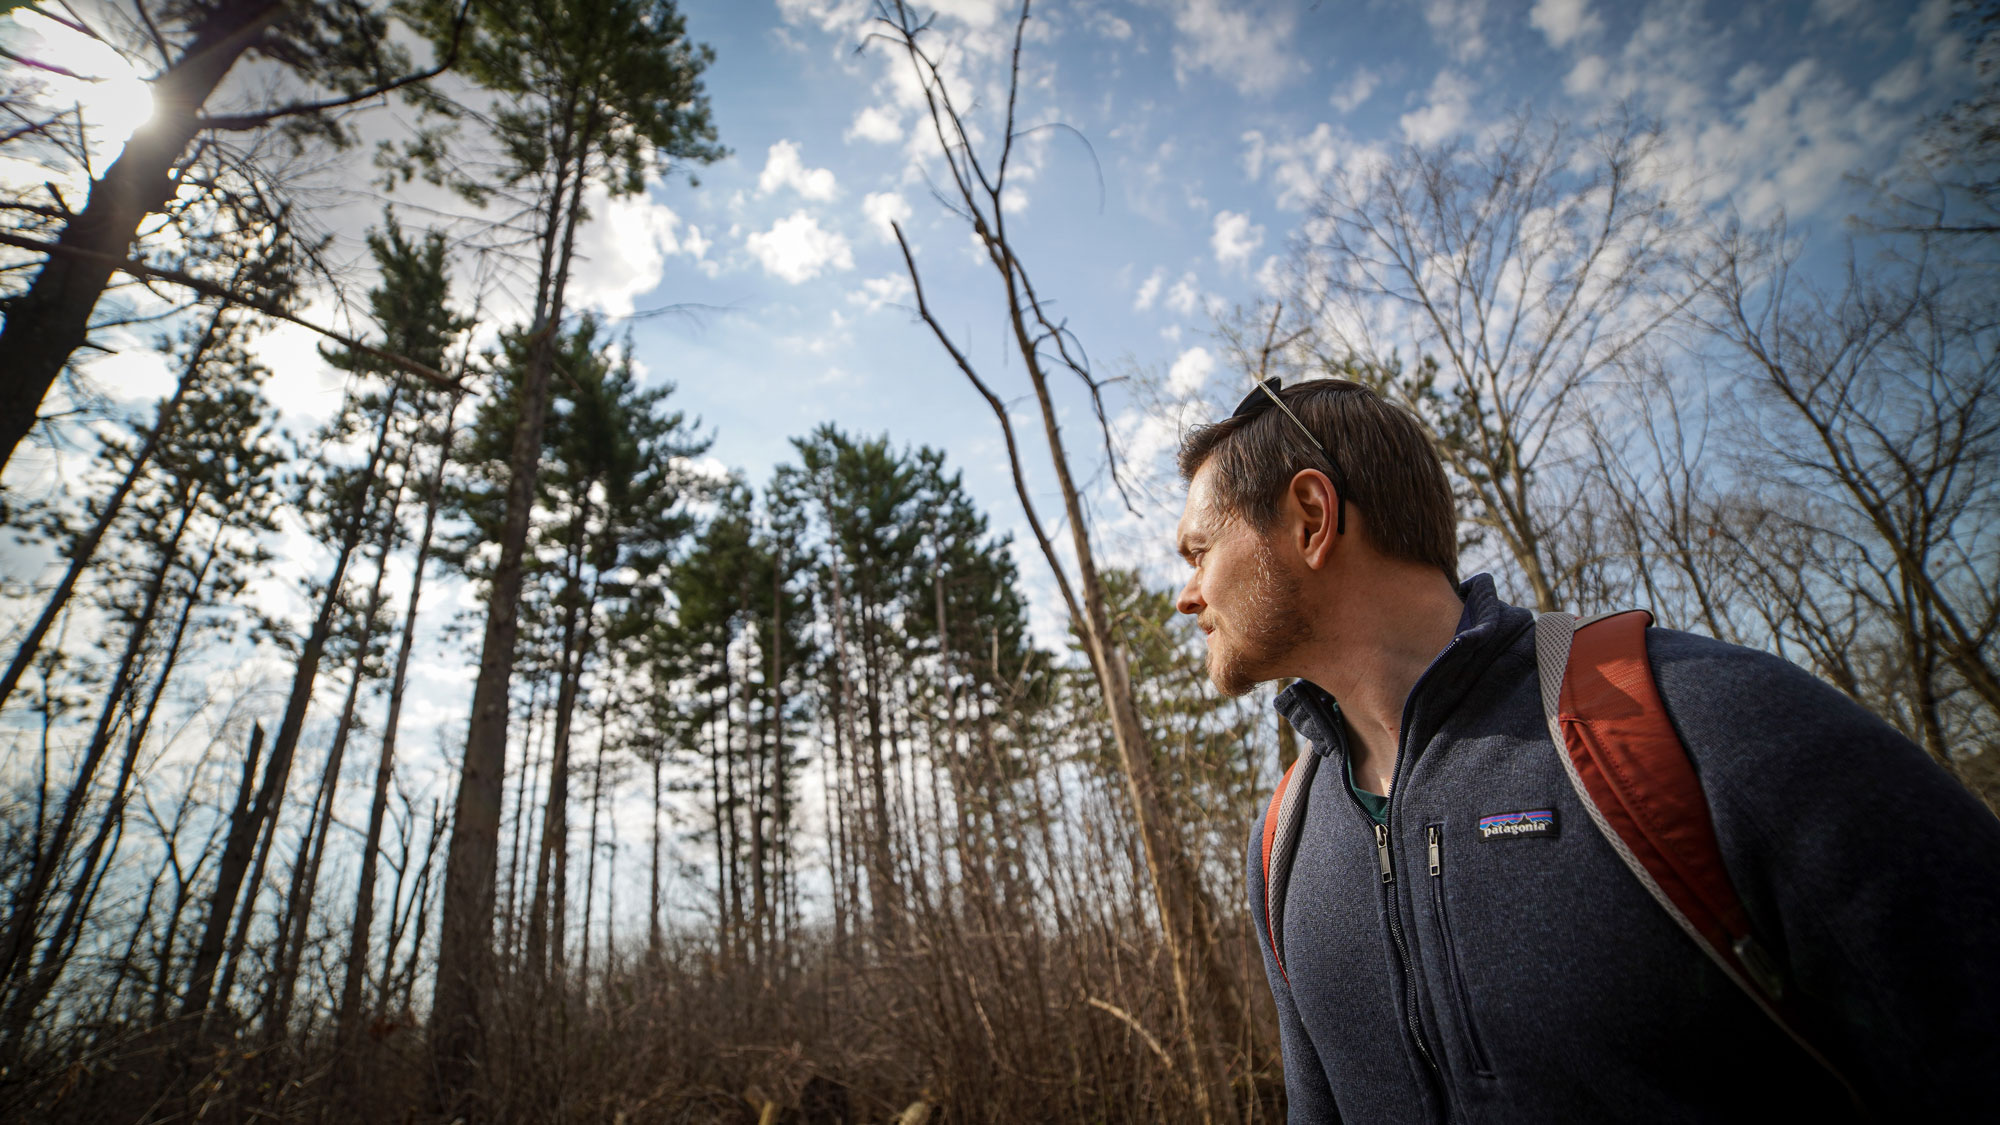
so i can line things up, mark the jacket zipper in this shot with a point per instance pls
(1434, 838)
(1409, 989)
(1411, 1013)
(1387, 872)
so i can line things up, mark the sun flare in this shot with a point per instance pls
(112, 97)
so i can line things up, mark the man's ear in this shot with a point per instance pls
(1314, 502)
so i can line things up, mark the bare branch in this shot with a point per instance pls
(237, 122)
(222, 293)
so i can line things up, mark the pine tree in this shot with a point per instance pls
(602, 92)
(614, 487)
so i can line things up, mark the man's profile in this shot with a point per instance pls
(1461, 942)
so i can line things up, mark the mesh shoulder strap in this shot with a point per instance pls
(1633, 777)
(1281, 841)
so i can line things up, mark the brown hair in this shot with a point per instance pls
(1390, 468)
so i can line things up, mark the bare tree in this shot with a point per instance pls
(1206, 1003)
(1522, 270)
(1880, 412)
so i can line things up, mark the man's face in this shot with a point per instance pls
(1242, 595)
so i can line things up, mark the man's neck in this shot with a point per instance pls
(1375, 642)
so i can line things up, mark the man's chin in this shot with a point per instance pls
(1233, 678)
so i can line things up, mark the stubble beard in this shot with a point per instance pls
(1268, 626)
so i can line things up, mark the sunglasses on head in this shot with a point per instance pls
(1263, 398)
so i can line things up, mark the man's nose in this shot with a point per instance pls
(1189, 599)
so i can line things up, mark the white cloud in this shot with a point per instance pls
(1356, 90)
(1254, 151)
(1906, 81)
(1931, 20)
(1586, 76)
(1762, 137)
(1270, 276)
(695, 243)
(1246, 48)
(309, 389)
(1458, 26)
(878, 291)
(974, 13)
(782, 169)
(796, 249)
(876, 124)
(1184, 297)
(137, 376)
(1837, 11)
(1298, 166)
(627, 244)
(1190, 372)
(1564, 21)
(829, 15)
(1149, 289)
(883, 208)
(1235, 237)
(1446, 113)
(1108, 25)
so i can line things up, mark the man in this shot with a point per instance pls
(1434, 974)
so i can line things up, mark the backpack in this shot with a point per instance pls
(1633, 777)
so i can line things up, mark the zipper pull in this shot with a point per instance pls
(1437, 863)
(1382, 853)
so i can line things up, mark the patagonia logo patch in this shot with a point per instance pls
(1513, 825)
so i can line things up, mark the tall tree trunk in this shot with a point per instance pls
(48, 322)
(755, 738)
(653, 877)
(878, 867)
(513, 933)
(715, 802)
(732, 803)
(552, 856)
(834, 809)
(347, 1015)
(262, 821)
(465, 930)
(312, 846)
(781, 807)
(590, 864)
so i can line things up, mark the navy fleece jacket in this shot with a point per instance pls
(1529, 979)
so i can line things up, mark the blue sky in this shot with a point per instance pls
(1178, 144)
(1209, 122)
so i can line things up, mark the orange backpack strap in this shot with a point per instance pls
(1282, 819)
(1633, 776)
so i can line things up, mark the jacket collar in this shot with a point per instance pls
(1486, 627)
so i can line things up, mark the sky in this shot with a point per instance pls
(1189, 139)
(1169, 151)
